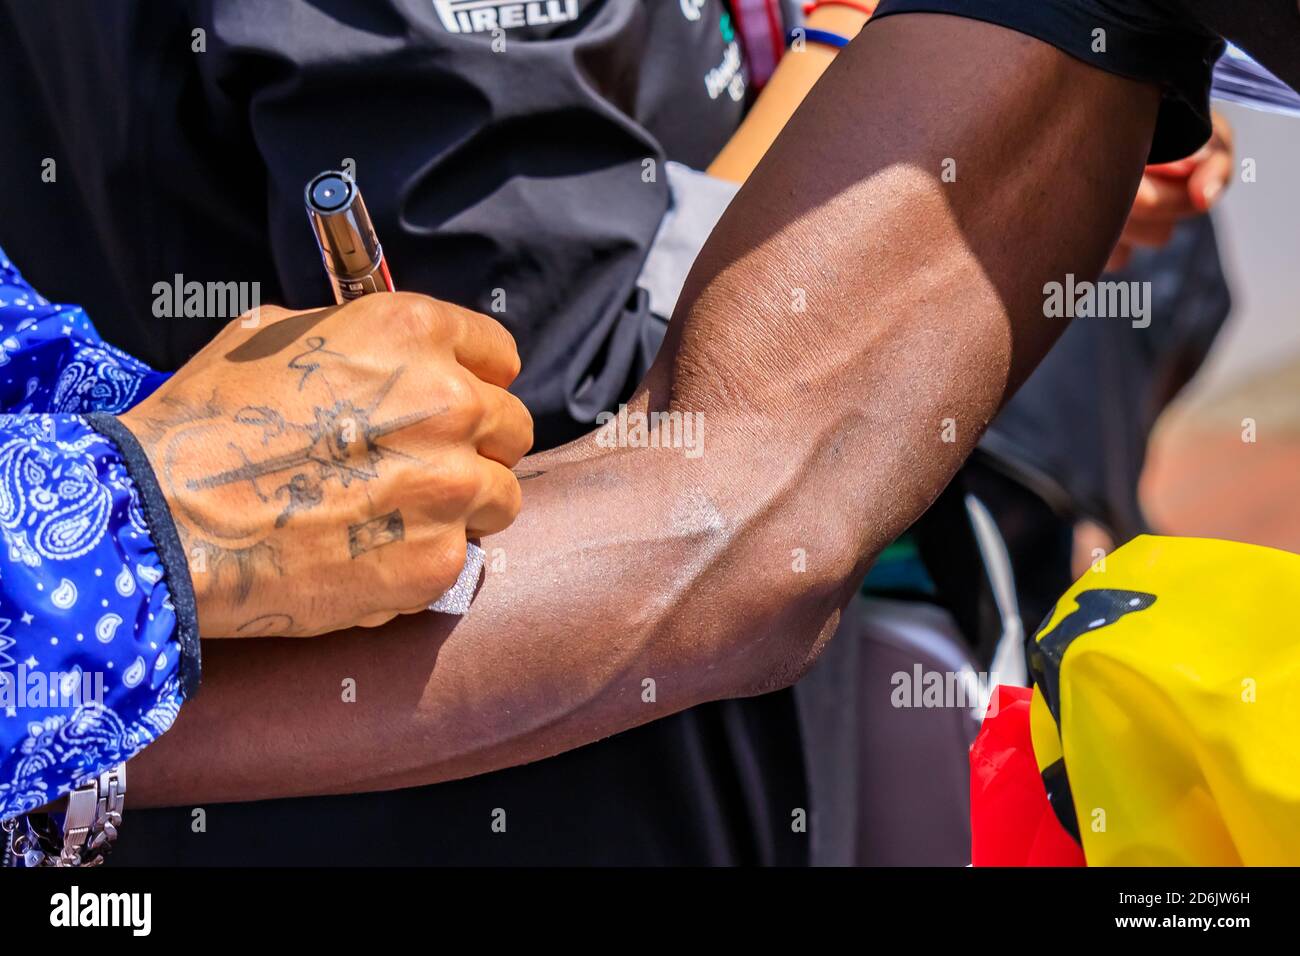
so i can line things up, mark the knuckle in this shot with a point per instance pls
(464, 405)
(421, 315)
(457, 484)
(522, 422)
(446, 558)
(510, 350)
(514, 499)
(493, 333)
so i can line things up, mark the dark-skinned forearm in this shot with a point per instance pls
(613, 574)
(921, 301)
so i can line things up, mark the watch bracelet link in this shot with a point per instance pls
(91, 823)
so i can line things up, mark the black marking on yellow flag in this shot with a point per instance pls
(1095, 609)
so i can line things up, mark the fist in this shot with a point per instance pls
(325, 468)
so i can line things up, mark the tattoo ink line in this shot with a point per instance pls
(375, 533)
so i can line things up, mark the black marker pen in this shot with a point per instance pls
(353, 257)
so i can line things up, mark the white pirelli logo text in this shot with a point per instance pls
(78, 909)
(484, 16)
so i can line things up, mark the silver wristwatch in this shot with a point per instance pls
(90, 825)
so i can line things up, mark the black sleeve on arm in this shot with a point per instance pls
(1143, 40)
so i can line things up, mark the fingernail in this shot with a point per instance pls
(1210, 191)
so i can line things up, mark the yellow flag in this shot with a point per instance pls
(1167, 707)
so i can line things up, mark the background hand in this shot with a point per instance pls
(1171, 192)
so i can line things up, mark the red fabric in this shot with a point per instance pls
(1012, 824)
(774, 29)
(863, 6)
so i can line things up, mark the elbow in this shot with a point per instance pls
(799, 651)
(802, 615)
(761, 568)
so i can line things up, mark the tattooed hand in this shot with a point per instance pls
(325, 468)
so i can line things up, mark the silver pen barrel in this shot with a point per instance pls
(350, 250)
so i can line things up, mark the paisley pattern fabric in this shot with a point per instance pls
(89, 658)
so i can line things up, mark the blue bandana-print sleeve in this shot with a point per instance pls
(98, 637)
(53, 360)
